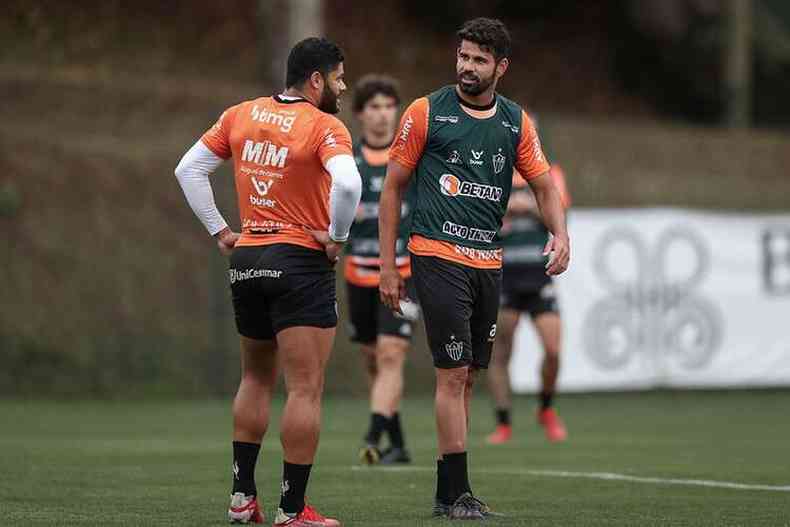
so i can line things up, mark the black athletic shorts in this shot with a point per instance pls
(528, 291)
(370, 318)
(280, 286)
(459, 305)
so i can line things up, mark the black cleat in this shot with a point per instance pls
(467, 507)
(395, 455)
(369, 454)
(440, 510)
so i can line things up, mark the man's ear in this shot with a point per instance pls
(502, 66)
(317, 81)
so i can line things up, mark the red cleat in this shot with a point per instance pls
(309, 517)
(244, 509)
(552, 425)
(501, 435)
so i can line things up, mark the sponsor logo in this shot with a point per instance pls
(492, 333)
(477, 158)
(455, 158)
(248, 274)
(377, 183)
(446, 119)
(498, 161)
(284, 487)
(510, 127)
(260, 172)
(404, 133)
(468, 233)
(236, 470)
(450, 185)
(266, 226)
(455, 348)
(491, 255)
(329, 138)
(284, 120)
(265, 153)
(262, 202)
(262, 188)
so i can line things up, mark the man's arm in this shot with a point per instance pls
(344, 197)
(193, 173)
(392, 287)
(553, 212)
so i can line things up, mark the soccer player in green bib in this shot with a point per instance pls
(462, 144)
(383, 337)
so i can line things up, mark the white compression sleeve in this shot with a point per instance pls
(343, 196)
(193, 173)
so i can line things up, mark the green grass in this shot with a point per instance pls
(167, 463)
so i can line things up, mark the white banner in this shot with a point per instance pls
(669, 298)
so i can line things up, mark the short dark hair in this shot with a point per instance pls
(371, 85)
(488, 33)
(311, 55)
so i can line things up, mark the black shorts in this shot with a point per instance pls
(370, 318)
(280, 286)
(459, 305)
(528, 291)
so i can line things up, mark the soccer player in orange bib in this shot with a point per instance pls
(298, 188)
(462, 143)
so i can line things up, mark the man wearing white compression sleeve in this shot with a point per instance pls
(298, 189)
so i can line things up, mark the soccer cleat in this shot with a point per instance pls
(244, 509)
(369, 454)
(552, 425)
(394, 456)
(466, 507)
(440, 509)
(502, 434)
(486, 510)
(309, 517)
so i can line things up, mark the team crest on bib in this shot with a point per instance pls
(499, 161)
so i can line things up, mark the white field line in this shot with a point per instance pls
(608, 476)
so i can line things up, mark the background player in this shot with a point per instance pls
(527, 289)
(383, 337)
(298, 188)
(462, 142)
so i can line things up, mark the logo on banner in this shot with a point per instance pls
(656, 309)
(776, 258)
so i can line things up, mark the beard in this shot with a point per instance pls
(479, 86)
(329, 101)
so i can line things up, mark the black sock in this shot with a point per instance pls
(378, 423)
(245, 455)
(503, 416)
(293, 487)
(395, 431)
(441, 482)
(546, 400)
(457, 475)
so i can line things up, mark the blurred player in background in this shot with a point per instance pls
(298, 188)
(462, 143)
(384, 338)
(527, 289)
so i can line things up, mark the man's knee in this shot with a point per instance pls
(390, 353)
(453, 381)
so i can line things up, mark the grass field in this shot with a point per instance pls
(167, 463)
